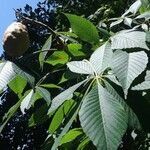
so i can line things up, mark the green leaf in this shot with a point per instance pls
(83, 28)
(128, 66)
(144, 85)
(145, 6)
(66, 128)
(59, 116)
(76, 50)
(112, 78)
(27, 101)
(70, 34)
(128, 21)
(57, 58)
(8, 71)
(133, 121)
(145, 15)
(120, 20)
(11, 112)
(103, 119)
(71, 135)
(83, 144)
(82, 67)
(133, 8)
(65, 95)
(101, 58)
(45, 94)
(46, 46)
(51, 86)
(18, 84)
(129, 39)
(99, 61)
(148, 36)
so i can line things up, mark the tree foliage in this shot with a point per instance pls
(85, 79)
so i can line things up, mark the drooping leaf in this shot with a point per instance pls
(82, 67)
(76, 49)
(45, 94)
(46, 46)
(145, 6)
(58, 57)
(127, 66)
(129, 39)
(83, 143)
(71, 135)
(11, 112)
(101, 58)
(133, 121)
(58, 117)
(133, 8)
(27, 102)
(120, 20)
(145, 15)
(144, 85)
(66, 128)
(17, 85)
(83, 28)
(65, 95)
(8, 71)
(103, 119)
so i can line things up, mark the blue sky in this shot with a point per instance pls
(7, 15)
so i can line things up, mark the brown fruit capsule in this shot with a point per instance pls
(16, 39)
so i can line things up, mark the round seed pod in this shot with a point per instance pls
(16, 39)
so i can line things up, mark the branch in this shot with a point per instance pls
(27, 19)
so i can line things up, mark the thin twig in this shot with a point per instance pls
(47, 27)
(43, 78)
(37, 52)
(41, 24)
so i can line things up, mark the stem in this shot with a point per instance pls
(36, 52)
(42, 79)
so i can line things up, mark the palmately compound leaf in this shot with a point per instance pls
(27, 102)
(99, 61)
(101, 58)
(8, 71)
(65, 95)
(82, 67)
(103, 119)
(128, 66)
(129, 39)
(144, 85)
(83, 28)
